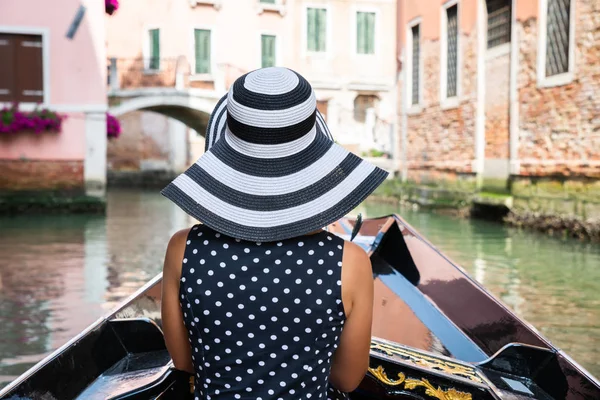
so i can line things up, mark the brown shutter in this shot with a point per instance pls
(7, 67)
(30, 78)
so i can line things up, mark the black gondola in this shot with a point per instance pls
(437, 335)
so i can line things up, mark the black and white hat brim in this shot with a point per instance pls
(266, 192)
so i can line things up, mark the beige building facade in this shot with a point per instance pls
(346, 49)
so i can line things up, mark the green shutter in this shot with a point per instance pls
(154, 49)
(365, 33)
(322, 29)
(311, 34)
(316, 29)
(268, 51)
(202, 48)
(360, 33)
(370, 34)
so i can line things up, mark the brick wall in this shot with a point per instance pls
(144, 137)
(497, 82)
(441, 143)
(560, 126)
(26, 175)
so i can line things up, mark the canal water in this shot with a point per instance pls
(60, 273)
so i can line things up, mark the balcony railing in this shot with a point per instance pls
(133, 73)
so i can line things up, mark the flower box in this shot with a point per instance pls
(39, 120)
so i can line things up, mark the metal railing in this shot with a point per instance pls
(131, 73)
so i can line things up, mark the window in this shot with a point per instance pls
(202, 51)
(415, 63)
(267, 43)
(498, 22)
(267, 1)
(154, 49)
(21, 69)
(365, 32)
(316, 29)
(452, 51)
(362, 103)
(557, 37)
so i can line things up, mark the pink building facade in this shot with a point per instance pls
(73, 83)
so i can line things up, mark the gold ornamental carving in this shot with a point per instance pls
(380, 374)
(412, 384)
(428, 362)
(438, 393)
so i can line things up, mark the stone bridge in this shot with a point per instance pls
(169, 90)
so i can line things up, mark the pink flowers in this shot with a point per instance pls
(113, 127)
(111, 6)
(13, 121)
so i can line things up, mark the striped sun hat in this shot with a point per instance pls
(271, 170)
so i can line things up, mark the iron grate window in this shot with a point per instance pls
(452, 58)
(557, 37)
(416, 50)
(498, 22)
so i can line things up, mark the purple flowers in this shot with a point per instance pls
(113, 127)
(13, 121)
(111, 6)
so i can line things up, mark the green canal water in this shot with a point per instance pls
(60, 273)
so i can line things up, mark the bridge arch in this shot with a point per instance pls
(192, 110)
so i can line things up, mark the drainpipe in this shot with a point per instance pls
(179, 71)
(114, 75)
(514, 166)
(403, 117)
(480, 108)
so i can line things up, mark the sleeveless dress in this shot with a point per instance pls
(263, 319)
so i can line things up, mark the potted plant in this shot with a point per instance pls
(12, 120)
(111, 6)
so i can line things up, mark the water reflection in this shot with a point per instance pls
(553, 284)
(60, 273)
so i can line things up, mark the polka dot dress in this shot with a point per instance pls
(263, 318)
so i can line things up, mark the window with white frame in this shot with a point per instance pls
(558, 37)
(202, 50)
(153, 62)
(498, 22)
(268, 50)
(415, 63)
(22, 77)
(365, 32)
(451, 70)
(316, 29)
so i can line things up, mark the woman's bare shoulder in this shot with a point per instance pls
(357, 275)
(355, 258)
(175, 252)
